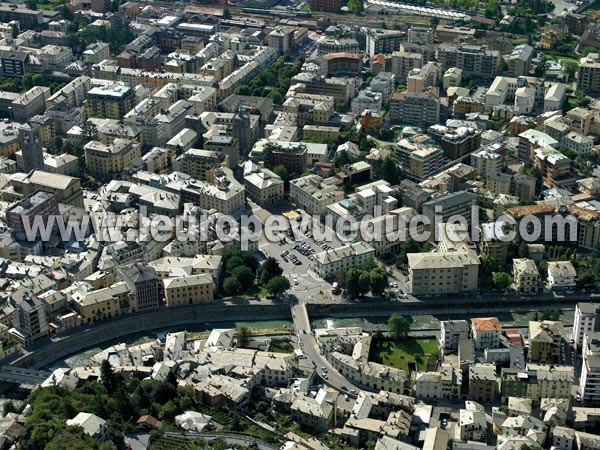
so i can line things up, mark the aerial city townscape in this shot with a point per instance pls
(300, 225)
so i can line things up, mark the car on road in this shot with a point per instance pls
(344, 388)
(324, 369)
(353, 392)
(444, 423)
(578, 397)
(312, 362)
(346, 397)
(324, 376)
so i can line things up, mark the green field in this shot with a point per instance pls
(399, 354)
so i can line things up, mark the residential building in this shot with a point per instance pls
(342, 64)
(105, 303)
(451, 333)
(545, 340)
(578, 143)
(9, 138)
(486, 332)
(108, 160)
(537, 381)
(584, 322)
(312, 195)
(519, 60)
(111, 102)
(588, 76)
(443, 273)
(526, 275)
(327, 44)
(328, 263)
(420, 109)
(96, 52)
(458, 203)
(226, 145)
(476, 61)
(483, 383)
(589, 381)
(143, 283)
(263, 186)
(198, 163)
(561, 275)
(40, 204)
(383, 41)
(30, 320)
(420, 160)
(189, 290)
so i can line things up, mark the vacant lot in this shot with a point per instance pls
(400, 353)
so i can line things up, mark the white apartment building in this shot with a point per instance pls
(584, 322)
(561, 275)
(589, 382)
(328, 263)
(486, 332)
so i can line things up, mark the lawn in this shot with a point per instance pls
(399, 354)
(281, 346)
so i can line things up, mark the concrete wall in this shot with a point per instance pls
(46, 352)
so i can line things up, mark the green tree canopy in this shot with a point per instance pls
(399, 326)
(278, 285)
(231, 286)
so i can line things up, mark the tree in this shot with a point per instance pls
(226, 13)
(89, 131)
(163, 392)
(278, 285)
(233, 262)
(242, 336)
(502, 280)
(502, 65)
(364, 282)
(108, 378)
(269, 269)
(244, 275)
(8, 407)
(398, 326)
(389, 171)
(281, 171)
(379, 280)
(356, 6)
(231, 286)
(369, 265)
(493, 9)
(352, 282)
(250, 260)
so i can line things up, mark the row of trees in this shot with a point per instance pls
(370, 277)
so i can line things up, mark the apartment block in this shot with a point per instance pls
(476, 61)
(589, 381)
(189, 290)
(198, 163)
(108, 160)
(585, 321)
(312, 195)
(483, 383)
(329, 263)
(545, 339)
(588, 76)
(526, 275)
(110, 102)
(38, 204)
(486, 332)
(451, 333)
(420, 109)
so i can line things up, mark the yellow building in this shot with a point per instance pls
(107, 160)
(189, 290)
(105, 303)
(9, 139)
(46, 130)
